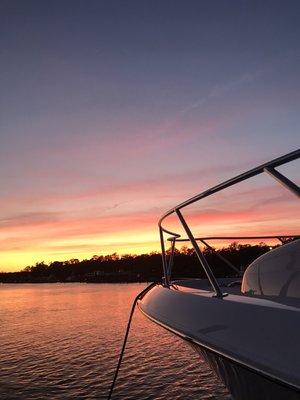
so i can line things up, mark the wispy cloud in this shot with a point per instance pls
(221, 90)
(28, 218)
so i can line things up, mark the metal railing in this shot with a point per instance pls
(268, 168)
(204, 240)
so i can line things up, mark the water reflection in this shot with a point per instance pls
(62, 341)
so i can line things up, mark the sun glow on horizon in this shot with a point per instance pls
(25, 244)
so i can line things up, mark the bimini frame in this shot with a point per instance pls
(268, 168)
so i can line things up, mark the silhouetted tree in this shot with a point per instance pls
(133, 268)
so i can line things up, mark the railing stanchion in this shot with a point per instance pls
(163, 255)
(200, 256)
(171, 259)
(291, 186)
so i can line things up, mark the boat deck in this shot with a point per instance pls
(228, 285)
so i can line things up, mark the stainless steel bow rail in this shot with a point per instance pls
(268, 168)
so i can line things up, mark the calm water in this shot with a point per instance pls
(61, 341)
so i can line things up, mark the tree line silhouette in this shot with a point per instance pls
(137, 268)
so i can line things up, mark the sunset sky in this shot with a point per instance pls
(111, 112)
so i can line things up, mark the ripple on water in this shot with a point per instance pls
(63, 341)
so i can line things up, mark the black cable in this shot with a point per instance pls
(138, 297)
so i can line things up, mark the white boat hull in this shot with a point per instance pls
(244, 383)
(252, 344)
